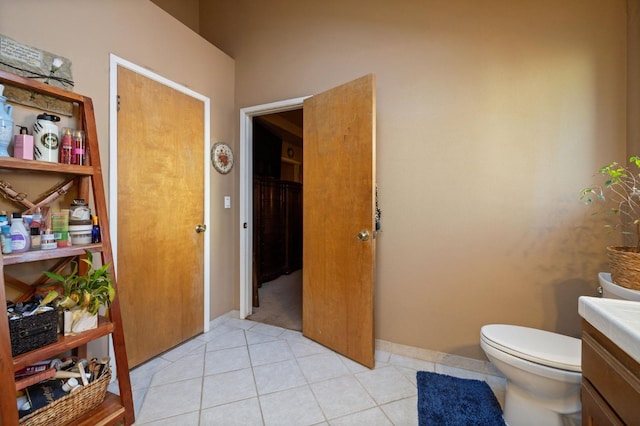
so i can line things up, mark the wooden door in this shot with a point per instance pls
(339, 204)
(160, 202)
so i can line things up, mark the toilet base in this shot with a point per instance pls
(521, 410)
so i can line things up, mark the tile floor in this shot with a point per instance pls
(247, 373)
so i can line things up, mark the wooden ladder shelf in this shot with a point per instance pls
(115, 409)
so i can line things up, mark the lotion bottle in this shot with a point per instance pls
(20, 238)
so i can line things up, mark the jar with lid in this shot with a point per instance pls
(79, 213)
(46, 140)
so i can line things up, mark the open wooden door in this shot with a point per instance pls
(338, 219)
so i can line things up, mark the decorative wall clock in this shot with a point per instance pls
(222, 157)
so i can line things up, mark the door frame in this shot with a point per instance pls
(114, 63)
(246, 193)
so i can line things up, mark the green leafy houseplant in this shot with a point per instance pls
(621, 193)
(88, 291)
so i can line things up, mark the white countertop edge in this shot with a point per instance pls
(619, 320)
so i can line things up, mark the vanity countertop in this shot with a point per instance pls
(619, 320)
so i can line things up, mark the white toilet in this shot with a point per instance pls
(542, 369)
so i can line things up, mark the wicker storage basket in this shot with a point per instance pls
(70, 407)
(625, 266)
(33, 332)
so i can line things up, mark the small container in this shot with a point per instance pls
(79, 148)
(48, 242)
(23, 145)
(20, 240)
(80, 234)
(46, 139)
(95, 231)
(79, 213)
(6, 239)
(60, 225)
(66, 147)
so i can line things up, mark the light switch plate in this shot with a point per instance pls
(227, 202)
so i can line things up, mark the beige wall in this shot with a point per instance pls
(492, 116)
(86, 32)
(186, 11)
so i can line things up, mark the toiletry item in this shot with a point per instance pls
(71, 384)
(48, 242)
(6, 124)
(20, 240)
(60, 225)
(45, 135)
(79, 213)
(66, 147)
(79, 148)
(35, 230)
(4, 220)
(23, 145)
(80, 234)
(5, 238)
(95, 231)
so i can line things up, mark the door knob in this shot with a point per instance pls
(201, 228)
(363, 235)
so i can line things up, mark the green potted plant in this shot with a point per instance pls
(620, 196)
(83, 294)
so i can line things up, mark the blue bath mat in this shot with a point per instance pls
(449, 401)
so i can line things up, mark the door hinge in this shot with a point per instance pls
(118, 103)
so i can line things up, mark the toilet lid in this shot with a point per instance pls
(539, 346)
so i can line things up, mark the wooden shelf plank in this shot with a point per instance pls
(63, 344)
(33, 256)
(11, 163)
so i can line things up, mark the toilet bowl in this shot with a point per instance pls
(542, 371)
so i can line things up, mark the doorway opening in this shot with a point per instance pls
(271, 213)
(277, 219)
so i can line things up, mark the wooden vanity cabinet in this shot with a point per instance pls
(610, 381)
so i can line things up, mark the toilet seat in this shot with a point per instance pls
(539, 346)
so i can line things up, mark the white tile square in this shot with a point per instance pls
(187, 367)
(270, 352)
(278, 376)
(240, 413)
(193, 346)
(341, 396)
(267, 329)
(232, 339)
(402, 412)
(256, 338)
(294, 407)
(141, 376)
(170, 400)
(386, 384)
(225, 360)
(370, 417)
(228, 387)
(321, 367)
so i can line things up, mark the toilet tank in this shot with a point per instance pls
(611, 290)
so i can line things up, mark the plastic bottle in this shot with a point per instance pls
(5, 238)
(66, 148)
(35, 230)
(20, 240)
(95, 231)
